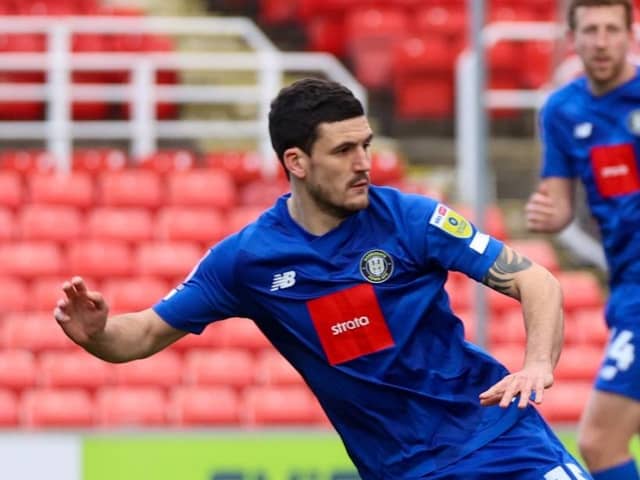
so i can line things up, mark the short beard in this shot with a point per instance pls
(607, 82)
(321, 198)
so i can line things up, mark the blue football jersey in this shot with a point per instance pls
(597, 139)
(362, 314)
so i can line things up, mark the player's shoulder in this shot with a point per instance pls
(394, 199)
(565, 95)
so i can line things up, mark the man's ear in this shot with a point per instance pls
(294, 161)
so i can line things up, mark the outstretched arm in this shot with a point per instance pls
(541, 298)
(83, 315)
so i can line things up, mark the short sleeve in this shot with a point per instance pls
(208, 294)
(455, 243)
(555, 159)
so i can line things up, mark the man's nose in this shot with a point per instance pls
(363, 160)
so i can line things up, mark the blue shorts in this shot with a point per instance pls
(620, 369)
(527, 451)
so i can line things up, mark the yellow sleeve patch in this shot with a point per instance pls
(451, 222)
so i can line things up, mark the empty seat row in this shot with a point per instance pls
(585, 326)
(38, 332)
(73, 368)
(108, 227)
(119, 407)
(577, 362)
(243, 167)
(581, 288)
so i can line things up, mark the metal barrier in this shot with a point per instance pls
(143, 130)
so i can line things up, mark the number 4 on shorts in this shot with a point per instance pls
(560, 473)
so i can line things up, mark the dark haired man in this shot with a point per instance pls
(346, 280)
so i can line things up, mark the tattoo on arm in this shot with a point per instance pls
(500, 275)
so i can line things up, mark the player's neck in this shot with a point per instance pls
(626, 74)
(309, 216)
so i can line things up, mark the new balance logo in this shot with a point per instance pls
(283, 280)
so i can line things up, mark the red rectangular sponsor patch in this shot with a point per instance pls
(615, 169)
(350, 323)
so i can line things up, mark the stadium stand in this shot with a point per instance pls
(135, 226)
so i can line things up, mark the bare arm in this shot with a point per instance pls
(83, 315)
(541, 298)
(551, 207)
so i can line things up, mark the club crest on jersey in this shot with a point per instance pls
(633, 122)
(451, 222)
(376, 266)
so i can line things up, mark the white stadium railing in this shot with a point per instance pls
(144, 130)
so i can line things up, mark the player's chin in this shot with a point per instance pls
(357, 202)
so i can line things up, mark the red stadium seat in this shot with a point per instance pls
(36, 332)
(540, 251)
(11, 189)
(230, 367)
(17, 369)
(507, 328)
(590, 325)
(460, 290)
(14, 295)
(100, 259)
(54, 223)
(200, 406)
(98, 160)
(240, 217)
(7, 225)
(281, 405)
(325, 33)
(131, 188)
(31, 259)
(8, 409)
(169, 161)
(52, 408)
(538, 56)
(73, 369)
(500, 303)
(125, 223)
(273, 369)
(449, 23)
(579, 362)
(565, 401)
(132, 406)
(164, 369)
(386, 168)
(244, 167)
(243, 333)
(133, 294)
(45, 292)
(581, 290)
(209, 338)
(74, 189)
(423, 78)
(27, 162)
(202, 188)
(370, 36)
(511, 355)
(169, 260)
(262, 193)
(275, 12)
(201, 225)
